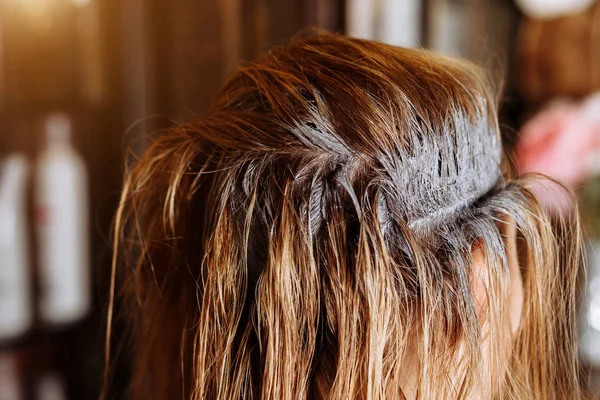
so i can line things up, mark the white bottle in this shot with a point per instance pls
(589, 308)
(400, 22)
(11, 385)
(361, 18)
(15, 288)
(61, 203)
(50, 387)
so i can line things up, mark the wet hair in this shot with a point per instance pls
(315, 229)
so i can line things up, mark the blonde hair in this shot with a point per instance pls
(314, 231)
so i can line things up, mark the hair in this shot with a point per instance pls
(312, 236)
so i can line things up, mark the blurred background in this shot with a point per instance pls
(84, 82)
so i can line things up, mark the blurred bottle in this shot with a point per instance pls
(11, 386)
(396, 22)
(61, 208)
(50, 386)
(400, 22)
(589, 306)
(15, 289)
(448, 27)
(362, 19)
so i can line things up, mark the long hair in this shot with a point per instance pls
(312, 237)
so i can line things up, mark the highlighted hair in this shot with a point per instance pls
(314, 231)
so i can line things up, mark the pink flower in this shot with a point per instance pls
(562, 142)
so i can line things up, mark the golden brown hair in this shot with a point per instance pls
(312, 237)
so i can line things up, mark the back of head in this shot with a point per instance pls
(336, 227)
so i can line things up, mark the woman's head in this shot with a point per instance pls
(339, 226)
